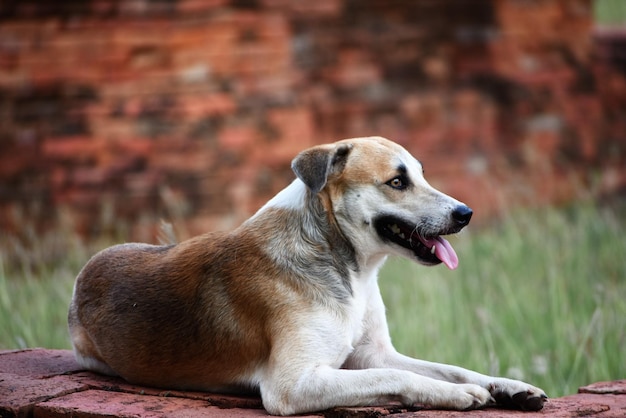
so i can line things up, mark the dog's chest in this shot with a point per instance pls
(359, 310)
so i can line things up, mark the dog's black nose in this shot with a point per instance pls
(462, 215)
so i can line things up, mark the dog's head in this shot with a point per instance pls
(381, 201)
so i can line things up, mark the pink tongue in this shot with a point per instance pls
(443, 251)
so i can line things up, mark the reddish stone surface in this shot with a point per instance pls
(19, 394)
(38, 363)
(617, 387)
(41, 383)
(99, 403)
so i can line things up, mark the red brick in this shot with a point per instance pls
(354, 69)
(198, 6)
(193, 160)
(20, 392)
(133, 146)
(237, 138)
(306, 9)
(206, 105)
(37, 363)
(616, 387)
(98, 403)
(70, 148)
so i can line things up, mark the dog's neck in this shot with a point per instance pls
(305, 229)
(296, 197)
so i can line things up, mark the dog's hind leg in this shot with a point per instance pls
(85, 350)
(85, 353)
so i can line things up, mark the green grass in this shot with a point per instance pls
(540, 296)
(33, 311)
(609, 12)
(36, 280)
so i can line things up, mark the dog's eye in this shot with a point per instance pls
(398, 183)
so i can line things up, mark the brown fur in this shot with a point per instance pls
(164, 303)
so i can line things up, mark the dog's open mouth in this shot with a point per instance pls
(429, 250)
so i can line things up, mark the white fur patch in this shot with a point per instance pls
(91, 363)
(291, 197)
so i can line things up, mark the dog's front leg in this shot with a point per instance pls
(376, 350)
(303, 374)
(323, 387)
(506, 392)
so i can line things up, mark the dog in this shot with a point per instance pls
(287, 304)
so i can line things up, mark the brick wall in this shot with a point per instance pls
(190, 109)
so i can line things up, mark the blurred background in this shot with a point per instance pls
(116, 114)
(137, 110)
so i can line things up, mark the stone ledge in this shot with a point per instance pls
(38, 383)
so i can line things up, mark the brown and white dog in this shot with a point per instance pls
(288, 303)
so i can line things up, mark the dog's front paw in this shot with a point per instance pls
(514, 394)
(468, 396)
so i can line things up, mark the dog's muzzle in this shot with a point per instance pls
(428, 246)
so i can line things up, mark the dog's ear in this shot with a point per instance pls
(314, 165)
